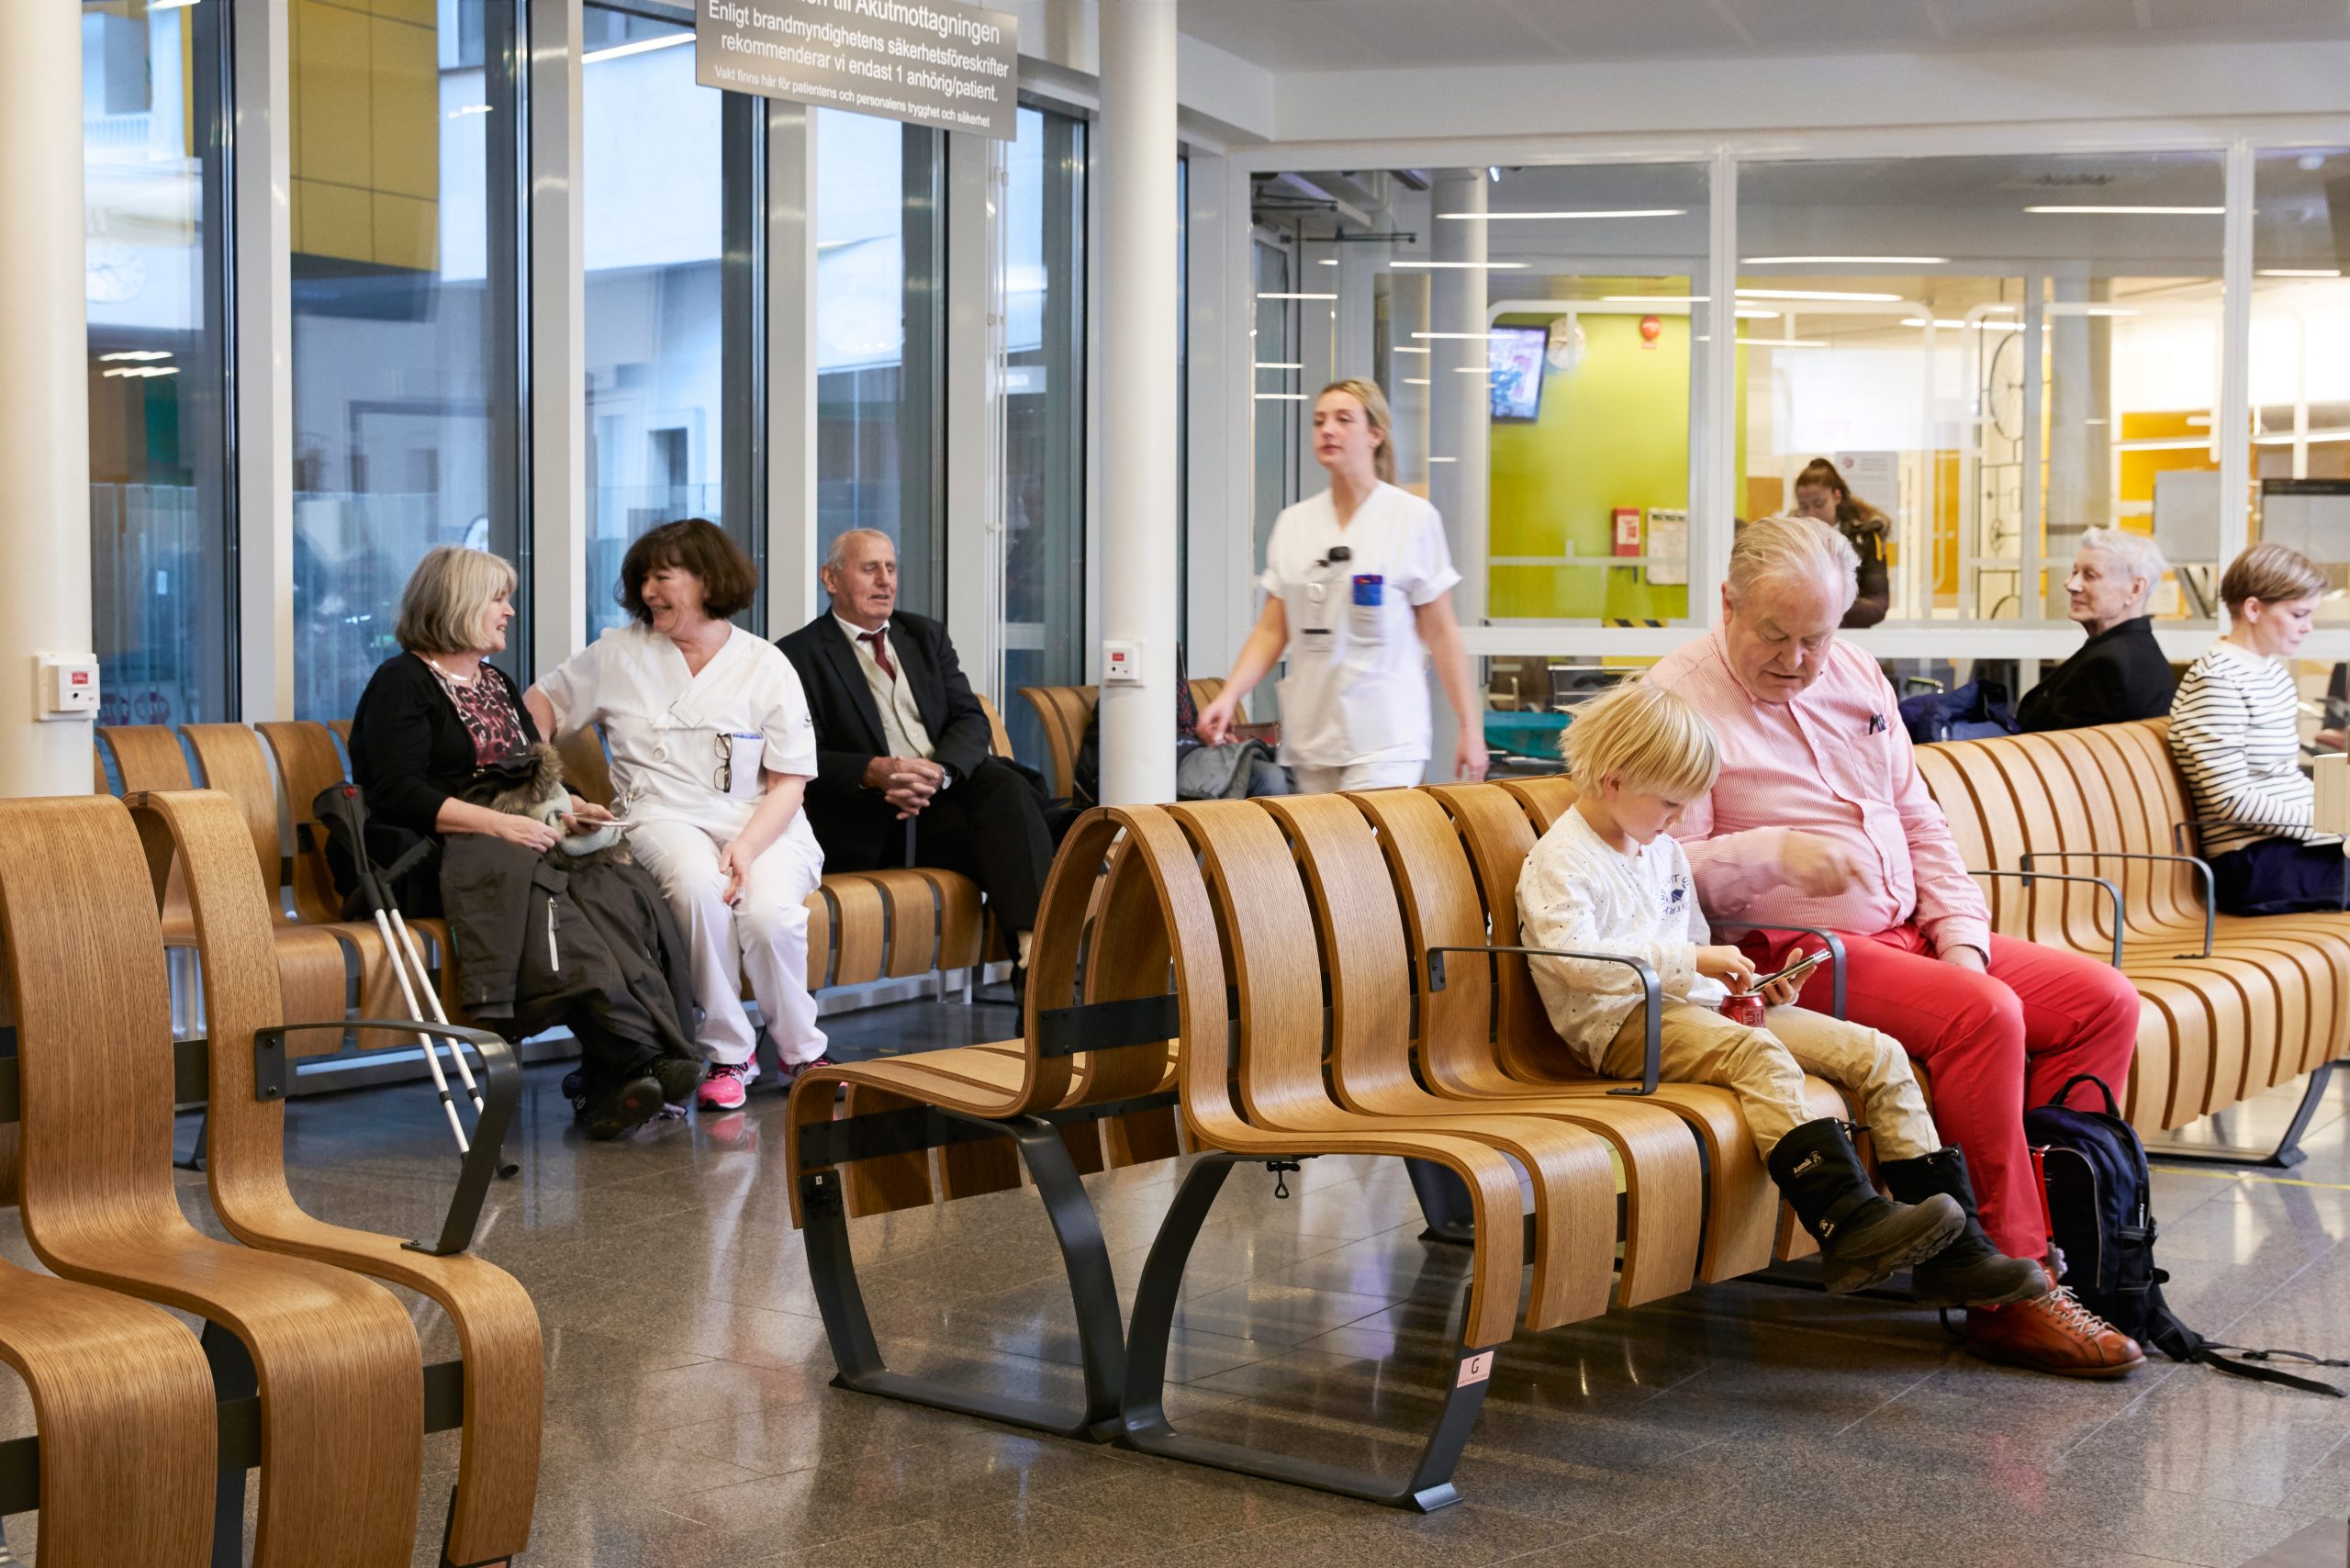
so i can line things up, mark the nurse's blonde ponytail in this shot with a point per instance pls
(1375, 414)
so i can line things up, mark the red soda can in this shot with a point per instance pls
(1744, 1007)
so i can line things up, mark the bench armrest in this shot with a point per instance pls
(501, 1091)
(2203, 869)
(2111, 892)
(1835, 945)
(1651, 993)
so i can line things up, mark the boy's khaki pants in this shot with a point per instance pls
(1764, 1067)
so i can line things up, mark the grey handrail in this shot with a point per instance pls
(2111, 891)
(2203, 868)
(501, 1091)
(1651, 993)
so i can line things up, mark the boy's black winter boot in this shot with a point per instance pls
(1971, 1270)
(1862, 1236)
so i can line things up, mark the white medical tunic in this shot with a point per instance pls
(1357, 688)
(670, 730)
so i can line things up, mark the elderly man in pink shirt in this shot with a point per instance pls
(1820, 819)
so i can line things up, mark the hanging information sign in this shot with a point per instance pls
(933, 62)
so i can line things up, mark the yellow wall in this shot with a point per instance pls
(1613, 433)
(366, 131)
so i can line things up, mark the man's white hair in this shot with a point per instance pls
(836, 558)
(2136, 554)
(1793, 550)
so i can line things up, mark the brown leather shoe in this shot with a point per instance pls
(2053, 1334)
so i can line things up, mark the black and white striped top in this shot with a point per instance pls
(2235, 733)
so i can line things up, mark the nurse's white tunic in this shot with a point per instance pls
(664, 726)
(1357, 688)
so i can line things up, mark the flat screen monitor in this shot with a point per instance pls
(1514, 362)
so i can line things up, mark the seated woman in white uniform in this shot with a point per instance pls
(711, 751)
(1358, 594)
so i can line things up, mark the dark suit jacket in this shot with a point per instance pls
(2119, 675)
(858, 829)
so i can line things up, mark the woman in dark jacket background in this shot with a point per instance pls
(2121, 673)
(1820, 492)
(439, 730)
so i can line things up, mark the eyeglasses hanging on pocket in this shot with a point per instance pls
(739, 756)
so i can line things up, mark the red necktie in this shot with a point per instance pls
(880, 651)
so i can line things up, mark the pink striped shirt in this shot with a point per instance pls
(1835, 763)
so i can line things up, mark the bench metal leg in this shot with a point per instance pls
(2284, 1157)
(1145, 1427)
(1092, 1291)
(236, 1387)
(1444, 1202)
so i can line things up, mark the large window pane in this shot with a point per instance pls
(1999, 353)
(879, 242)
(1044, 384)
(2300, 359)
(657, 422)
(160, 574)
(403, 362)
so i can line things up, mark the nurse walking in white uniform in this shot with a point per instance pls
(1358, 594)
(711, 750)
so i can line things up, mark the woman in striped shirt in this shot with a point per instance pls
(2235, 733)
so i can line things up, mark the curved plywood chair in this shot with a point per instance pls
(496, 1327)
(125, 1418)
(1221, 903)
(335, 1356)
(311, 960)
(1370, 975)
(149, 756)
(1063, 712)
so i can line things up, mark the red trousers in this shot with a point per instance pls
(1992, 1043)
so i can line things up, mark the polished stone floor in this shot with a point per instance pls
(690, 1423)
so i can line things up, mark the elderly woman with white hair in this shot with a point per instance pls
(1820, 819)
(2121, 673)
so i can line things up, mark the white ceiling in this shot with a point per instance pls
(1355, 34)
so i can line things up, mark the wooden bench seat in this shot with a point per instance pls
(124, 1418)
(334, 1357)
(2231, 1007)
(496, 1327)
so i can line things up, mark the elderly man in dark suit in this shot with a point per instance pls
(900, 738)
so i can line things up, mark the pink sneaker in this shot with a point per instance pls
(792, 1069)
(727, 1085)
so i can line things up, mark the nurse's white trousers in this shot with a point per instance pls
(1308, 779)
(763, 934)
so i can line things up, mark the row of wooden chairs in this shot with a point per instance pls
(887, 925)
(1318, 947)
(2086, 835)
(307, 1366)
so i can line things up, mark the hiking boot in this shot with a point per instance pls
(2054, 1334)
(1971, 1270)
(628, 1104)
(679, 1077)
(1863, 1237)
(727, 1085)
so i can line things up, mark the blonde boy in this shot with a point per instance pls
(1608, 879)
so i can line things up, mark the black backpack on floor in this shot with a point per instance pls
(2099, 1207)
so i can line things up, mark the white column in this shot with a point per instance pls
(1459, 408)
(976, 171)
(44, 396)
(558, 338)
(792, 590)
(1716, 496)
(1138, 393)
(262, 202)
(2232, 421)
